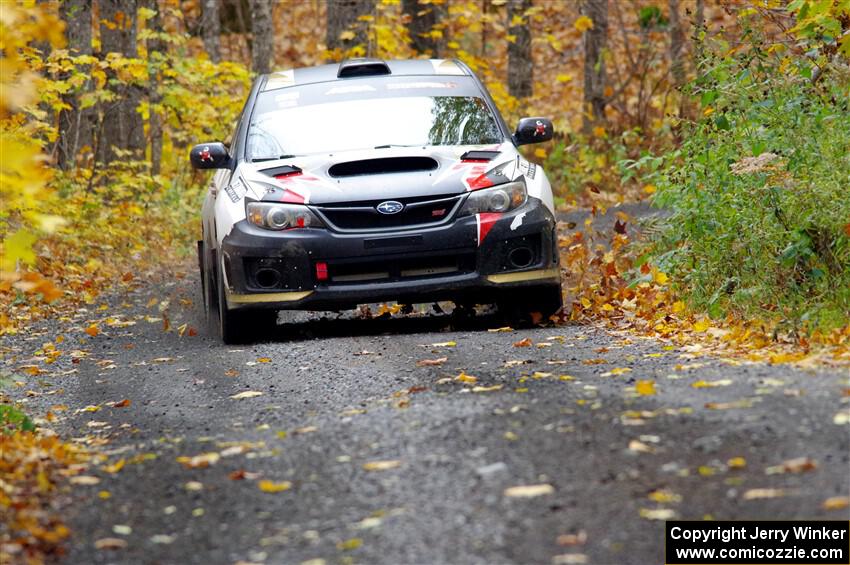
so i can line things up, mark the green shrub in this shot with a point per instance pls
(760, 191)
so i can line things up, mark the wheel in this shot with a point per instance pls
(533, 305)
(233, 325)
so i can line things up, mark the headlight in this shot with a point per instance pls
(502, 198)
(275, 216)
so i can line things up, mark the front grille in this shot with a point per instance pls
(364, 216)
(359, 271)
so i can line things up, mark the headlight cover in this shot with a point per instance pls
(502, 198)
(277, 216)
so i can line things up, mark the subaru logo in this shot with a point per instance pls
(390, 207)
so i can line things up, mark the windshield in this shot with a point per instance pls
(369, 123)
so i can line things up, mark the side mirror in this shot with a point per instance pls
(210, 156)
(533, 130)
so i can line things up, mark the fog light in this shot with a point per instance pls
(321, 271)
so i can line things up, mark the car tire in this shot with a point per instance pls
(232, 325)
(532, 305)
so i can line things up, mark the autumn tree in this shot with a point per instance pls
(75, 123)
(156, 48)
(262, 47)
(120, 123)
(211, 29)
(342, 16)
(595, 40)
(520, 64)
(423, 17)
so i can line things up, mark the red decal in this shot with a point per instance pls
(486, 221)
(292, 197)
(438, 213)
(204, 154)
(479, 182)
(539, 128)
(321, 271)
(469, 160)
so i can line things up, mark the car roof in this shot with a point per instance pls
(368, 69)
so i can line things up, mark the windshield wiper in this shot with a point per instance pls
(388, 145)
(260, 159)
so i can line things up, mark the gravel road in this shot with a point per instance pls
(337, 396)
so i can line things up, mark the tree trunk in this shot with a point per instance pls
(211, 29)
(121, 125)
(155, 47)
(342, 16)
(423, 18)
(677, 44)
(594, 63)
(520, 65)
(262, 31)
(75, 124)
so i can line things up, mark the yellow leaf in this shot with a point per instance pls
(660, 277)
(540, 153)
(464, 378)
(347, 35)
(649, 189)
(836, 503)
(381, 465)
(708, 111)
(349, 544)
(702, 325)
(264, 360)
(529, 491)
(583, 23)
(272, 486)
(737, 463)
(564, 78)
(93, 330)
(18, 246)
(599, 132)
(645, 387)
(678, 306)
(246, 394)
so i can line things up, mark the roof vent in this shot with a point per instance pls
(362, 67)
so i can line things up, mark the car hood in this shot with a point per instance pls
(393, 173)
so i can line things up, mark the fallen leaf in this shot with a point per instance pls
(798, 465)
(93, 330)
(194, 486)
(657, 513)
(85, 480)
(199, 461)
(264, 360)
(737, 463)
(110, 543)
(524, 343)
(503, 329)
(645, 387)
(836, 502)
(272, 486)
(121, 403)
(464, 378)
(431, 362)
(639, 447)
(761, 493)
(306, 430)
(246, 394)
(711, 384)
(349, 544)
(444, 344)
(486, 388)
(381, 465)
(567, 540)
(529, 491)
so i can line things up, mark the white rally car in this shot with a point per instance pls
(371, 181)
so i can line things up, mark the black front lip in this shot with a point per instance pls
(298, 251)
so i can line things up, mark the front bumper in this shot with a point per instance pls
(470, 259)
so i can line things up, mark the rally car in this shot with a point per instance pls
(372, 181)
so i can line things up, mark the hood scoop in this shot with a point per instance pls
(384, 165)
